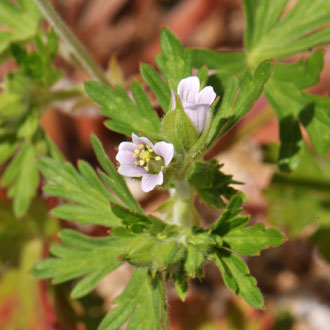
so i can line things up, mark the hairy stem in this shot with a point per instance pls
(67, 94)
(73, 44)
(184, 212)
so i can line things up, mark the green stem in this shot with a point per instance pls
(302, 182)
(67, 94)
(184, 212)
(74, 45)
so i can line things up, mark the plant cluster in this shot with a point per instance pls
(202, 94)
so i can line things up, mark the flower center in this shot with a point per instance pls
(148, 159)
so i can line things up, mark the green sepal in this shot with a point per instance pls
(167, 254)
(179, 129)
(140, 251)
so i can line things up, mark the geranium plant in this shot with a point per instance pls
(161, 152)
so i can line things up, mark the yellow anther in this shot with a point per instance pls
(136, 163)
(145, 155)
(135, 155)
(141, 146)
(137, 151)
(141, 162)
(146, 168)
(157, 158)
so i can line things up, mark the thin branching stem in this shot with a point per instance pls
(73, 44)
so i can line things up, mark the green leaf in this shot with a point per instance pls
(157, 85)
(112, 178)
(293, 107)
(303, 73)
(302, 194)
(80, 255)
(194, 261)
(129, 217)
(261, 16)
(174, 62)
(238, 99)
(38, 65)
(18, 22)
(144, 106)
(89, 198)
(117, 105)
(25, 95)
(6, 150)
(203, 74)
(142, 304)
(227, 64)
(211, 184)
(23, 178)
(237, 278)
(250, 240)
(270, 34)
(229, 219)
(181, 286)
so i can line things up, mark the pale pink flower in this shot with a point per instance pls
(196, 103)
(142, 158)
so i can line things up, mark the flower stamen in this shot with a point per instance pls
(147, 158)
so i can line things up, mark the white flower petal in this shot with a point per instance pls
(138, 140)
(150, 181)
(199, 116)
(131, 170)
(127, 146)
(188, 89)
(207, 95)
(165, 150)
(125, 157)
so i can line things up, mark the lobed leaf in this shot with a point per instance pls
(81, 255)
(126, 116)
(18, 22)
(157, 85)
(237, 278)
(89, 198)
(271, 34)
(226, 64)
(238, 99)
(112, 178)
(142, 304)
(23, 178)
(211, 184)
(174, 62)
(293, 107)
(250, 240)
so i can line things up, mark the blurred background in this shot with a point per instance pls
(295, 277)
